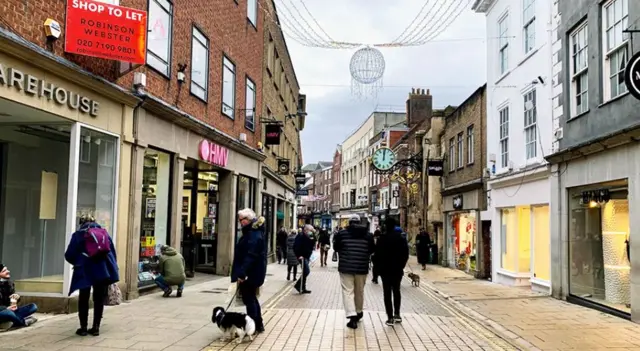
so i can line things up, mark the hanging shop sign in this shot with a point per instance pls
(283, 166)
(214, 153)
(435, 168)
(272, 134)
(632, 75)
(457, 202)
(106, 31)
(302, 192)
(301, 178)
(40, 88)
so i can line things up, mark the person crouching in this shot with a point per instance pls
(171, 269)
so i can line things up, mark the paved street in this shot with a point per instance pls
(529, 320)
(317, 322)
(449, 311)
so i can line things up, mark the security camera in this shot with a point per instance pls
(541, 80)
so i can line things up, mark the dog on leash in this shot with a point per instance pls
(232, 324)
(415, 279)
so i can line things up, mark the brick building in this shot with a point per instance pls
(467, 236)
(169, 161)
(283, 108)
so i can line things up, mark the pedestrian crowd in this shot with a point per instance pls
(92, 255)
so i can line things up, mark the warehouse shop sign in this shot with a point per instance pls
(34, 86)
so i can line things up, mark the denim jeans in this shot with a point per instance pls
(250, 300)
(18, 316)
(162, 284)
(301, 284)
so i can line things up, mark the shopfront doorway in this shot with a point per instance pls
(200, 201)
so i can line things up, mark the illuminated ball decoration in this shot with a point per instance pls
(367, 65)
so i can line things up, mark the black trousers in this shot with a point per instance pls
(295, 270)
(250, 300)
(99, 294)
(391, 286)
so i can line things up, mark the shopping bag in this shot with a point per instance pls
(114, 295)
(334, 257)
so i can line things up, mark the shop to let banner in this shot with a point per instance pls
(106, 31)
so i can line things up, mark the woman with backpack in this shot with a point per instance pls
(93, 257)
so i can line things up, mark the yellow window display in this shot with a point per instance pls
(542, 243)
(509, 239)
(524, 239)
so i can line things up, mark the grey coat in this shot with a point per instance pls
(292, 260)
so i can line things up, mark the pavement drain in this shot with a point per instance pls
(211, 292)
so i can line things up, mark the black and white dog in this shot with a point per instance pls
(233, 323)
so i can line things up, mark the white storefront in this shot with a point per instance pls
(519, 135)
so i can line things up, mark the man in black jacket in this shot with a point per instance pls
(281, 245)
(392, 254)
(354, 247)
(303, 248)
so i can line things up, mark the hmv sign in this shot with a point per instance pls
(214, 153)
(632, 75)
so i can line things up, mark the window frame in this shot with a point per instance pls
(578, 73)
(253, 21)
(166, 74)
(460, 146)
(248, 81)
(207, 47)
(223, 105)
(623, 47)
(528, 25)
(503, 42)
(470, 142)
(530, 123)
(503, 134)
(452, 154)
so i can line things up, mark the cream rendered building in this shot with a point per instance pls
(354, 185)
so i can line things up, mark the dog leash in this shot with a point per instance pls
(233, 297)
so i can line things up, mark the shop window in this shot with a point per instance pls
(160, 27)
(199, 64)
(508, 239)
(155, 204)
(541, 243)
(96, 180)
(244, 197)
(524, 239)
(599, 248)
(34, 164)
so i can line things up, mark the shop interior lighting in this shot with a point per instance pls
(87, 139)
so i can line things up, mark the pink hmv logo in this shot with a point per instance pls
(214, 153)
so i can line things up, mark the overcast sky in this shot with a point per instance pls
(451, 67)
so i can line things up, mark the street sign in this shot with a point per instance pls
(435, 168)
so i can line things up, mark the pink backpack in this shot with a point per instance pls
(96, 242)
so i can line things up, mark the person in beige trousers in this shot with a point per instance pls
(354, 246)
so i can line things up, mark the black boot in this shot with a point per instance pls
(82, 331)
(95, 330)
(353, 323)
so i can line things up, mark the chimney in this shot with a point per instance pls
(419, 107)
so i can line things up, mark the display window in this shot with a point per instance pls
(599, 254)
(464, 240)
(155, 216)
(541, 230)
(520, 227)
(245, 199)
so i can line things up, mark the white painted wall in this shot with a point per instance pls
(507, 89)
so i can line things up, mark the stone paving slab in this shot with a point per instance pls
(529, 319)
(148, 323)
(324, 283)
(316, 322)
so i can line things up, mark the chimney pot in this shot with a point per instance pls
(428, 92)
(413, 91)
(422, 91)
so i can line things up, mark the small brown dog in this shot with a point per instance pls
(415, 279)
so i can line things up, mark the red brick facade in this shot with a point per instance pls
(225, 24)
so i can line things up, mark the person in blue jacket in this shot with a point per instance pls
(95, 272)
(250, 263)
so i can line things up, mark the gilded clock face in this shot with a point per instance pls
(383, 159)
